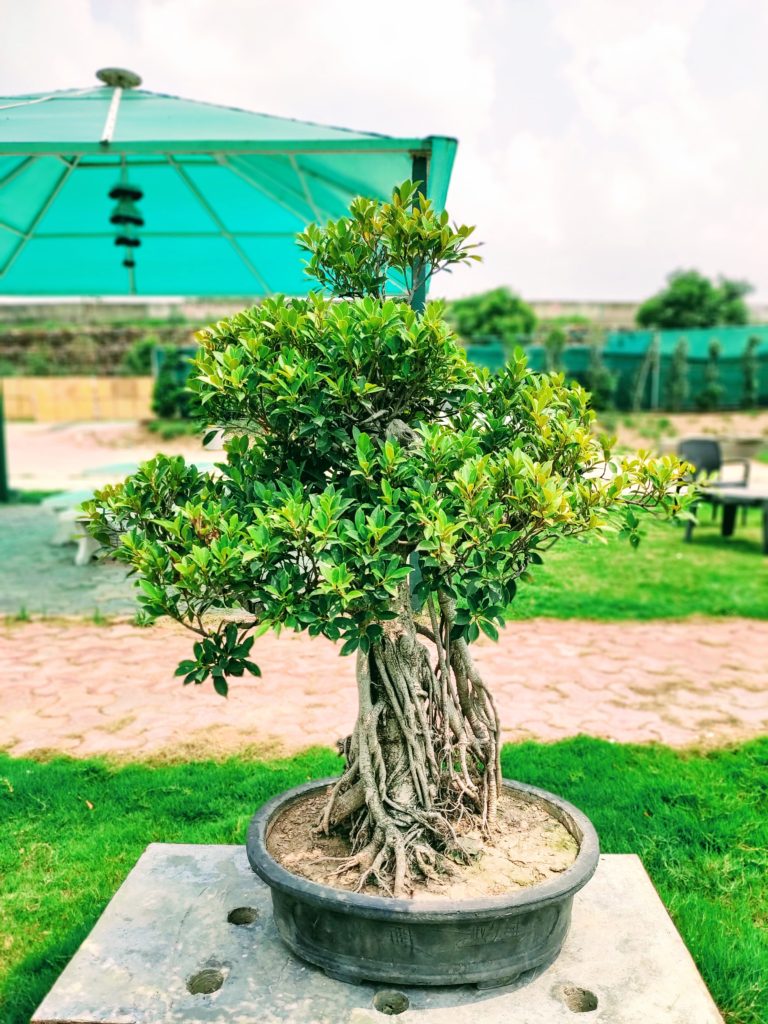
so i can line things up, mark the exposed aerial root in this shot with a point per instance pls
(423, 758)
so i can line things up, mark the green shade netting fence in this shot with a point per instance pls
(628, 355)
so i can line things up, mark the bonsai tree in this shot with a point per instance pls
(380, 491)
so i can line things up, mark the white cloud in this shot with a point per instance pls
(655, 167)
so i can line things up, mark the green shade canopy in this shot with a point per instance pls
(222, 192)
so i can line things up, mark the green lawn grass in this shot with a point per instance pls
(31, 497)
(73, 829)
(169, 430)
(663, 578)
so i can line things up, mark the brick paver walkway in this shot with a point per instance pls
(88, 689)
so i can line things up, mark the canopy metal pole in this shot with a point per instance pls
(117, 79)
(419, 170)
(656, 375)
(109, 125)
(418, 302)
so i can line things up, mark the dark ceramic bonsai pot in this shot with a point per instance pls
(487, 942)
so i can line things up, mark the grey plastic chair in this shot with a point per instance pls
(706, 457)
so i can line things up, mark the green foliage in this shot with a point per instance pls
(647, 370)
(698, 822)
(169, 430)
(554, 345)
(405, 242)
(172, 398)
(693, 300)
(751, 370)
(497, 315)
(137, 359)
(360, 438)
(600, 381)
(677, 384)
(41, 361)
(709, 397)
(574, 324)
(31, 497)
(557, 333)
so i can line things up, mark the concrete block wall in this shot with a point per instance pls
(68, 399)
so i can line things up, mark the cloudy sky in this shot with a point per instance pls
(602, 142)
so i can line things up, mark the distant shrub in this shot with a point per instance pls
(169, 430)
(677, 386)
(554, 344)
(40, 361)
(171, 399)
(708, 399)
(137, 359)
(600, 381)
(751, 370)
(498, 314)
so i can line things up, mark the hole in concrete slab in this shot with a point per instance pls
(210, 979)
(391, 1002)
(579, 1000)
(242, 915)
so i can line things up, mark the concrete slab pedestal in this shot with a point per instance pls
(189, 939)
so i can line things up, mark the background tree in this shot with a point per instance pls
(490, 316)
(360, 438)
(692, 300)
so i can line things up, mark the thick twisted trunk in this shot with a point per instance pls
(423, 757)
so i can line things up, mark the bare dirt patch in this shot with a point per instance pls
(642, 430)
(529, 847)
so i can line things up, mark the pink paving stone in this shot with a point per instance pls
(107, 744)
(750, 698)
(700, 681)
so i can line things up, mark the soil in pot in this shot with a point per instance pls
(528, 847)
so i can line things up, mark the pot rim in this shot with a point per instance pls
(565, 885)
